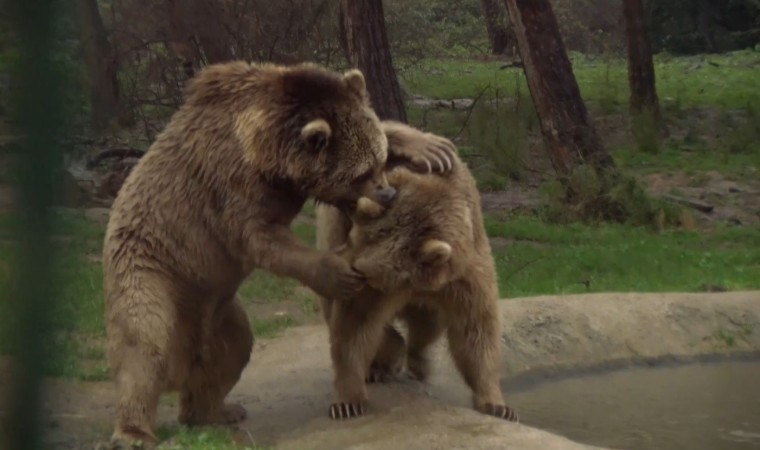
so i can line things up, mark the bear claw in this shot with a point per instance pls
(346, 410)
(502, 412)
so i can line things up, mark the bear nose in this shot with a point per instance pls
(386, 195)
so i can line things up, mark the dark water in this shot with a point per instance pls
(694, 407)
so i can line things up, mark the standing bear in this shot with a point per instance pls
(212, 199)
(427, 260)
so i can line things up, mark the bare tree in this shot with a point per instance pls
(179, 39)
(210, 30)
(101, 62)
(570, 137)
(500, 37)
(366, 42)
(641, 78)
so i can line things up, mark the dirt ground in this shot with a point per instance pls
(288, 384)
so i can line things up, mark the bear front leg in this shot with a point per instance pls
(420, 151)
(356, 330)
(327, 274)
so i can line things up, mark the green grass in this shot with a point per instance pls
(671, 158)
(78, 305)
(78, 314)
(554, 259)
(269, 328)
(711, 111)
(690, 81)
(183, 438)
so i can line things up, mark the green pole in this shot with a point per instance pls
(38, 120)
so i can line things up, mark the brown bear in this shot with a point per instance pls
(212, 199)
(427, 260)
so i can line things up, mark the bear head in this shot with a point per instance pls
(413, 241)
(301, 126)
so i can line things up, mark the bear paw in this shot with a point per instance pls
(342, 410)
(502, 412)
(126, 442)
(418, 367)
(232, 413)
(379, 375)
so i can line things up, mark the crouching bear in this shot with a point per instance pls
(427, 261)
(212, 199)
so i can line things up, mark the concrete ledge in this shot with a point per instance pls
(288, 385)
(555, 336)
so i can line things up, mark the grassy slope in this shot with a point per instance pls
(692, 82)
(685, 86)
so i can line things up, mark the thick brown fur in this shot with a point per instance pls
(427, 260)
(212, 199)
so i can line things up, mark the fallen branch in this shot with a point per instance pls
(696, 204)
(469, 111)
(120, 153)
(512, 65)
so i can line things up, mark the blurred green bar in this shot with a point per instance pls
(38, 121)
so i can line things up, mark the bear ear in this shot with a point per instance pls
(366, 208)
(355, 82)
(435, 252)
(316, 134)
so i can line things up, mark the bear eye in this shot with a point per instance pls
(363, 177)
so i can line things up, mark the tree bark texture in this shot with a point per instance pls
(179, 37)
(641, 77)
(209, 28)
(500, 37)
(570, 137)
(368, 49)
(101, 62)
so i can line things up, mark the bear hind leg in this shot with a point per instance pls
(356, 332)
(474, 345)
(212, 378)
(425, 327)
(389, 359)
(137, 383)
(139, 354)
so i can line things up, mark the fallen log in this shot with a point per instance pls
(120, 153)
(696, 204)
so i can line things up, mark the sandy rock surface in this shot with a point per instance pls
(288, 386)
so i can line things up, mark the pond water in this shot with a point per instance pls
(695, 407)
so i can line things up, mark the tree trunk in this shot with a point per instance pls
(570, 137)
(210, 30)
(367, 44)
(102, 65)
(500, 37)
(342, 33)
(641, 78)
(179, 38)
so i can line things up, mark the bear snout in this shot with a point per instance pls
(386, 195)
